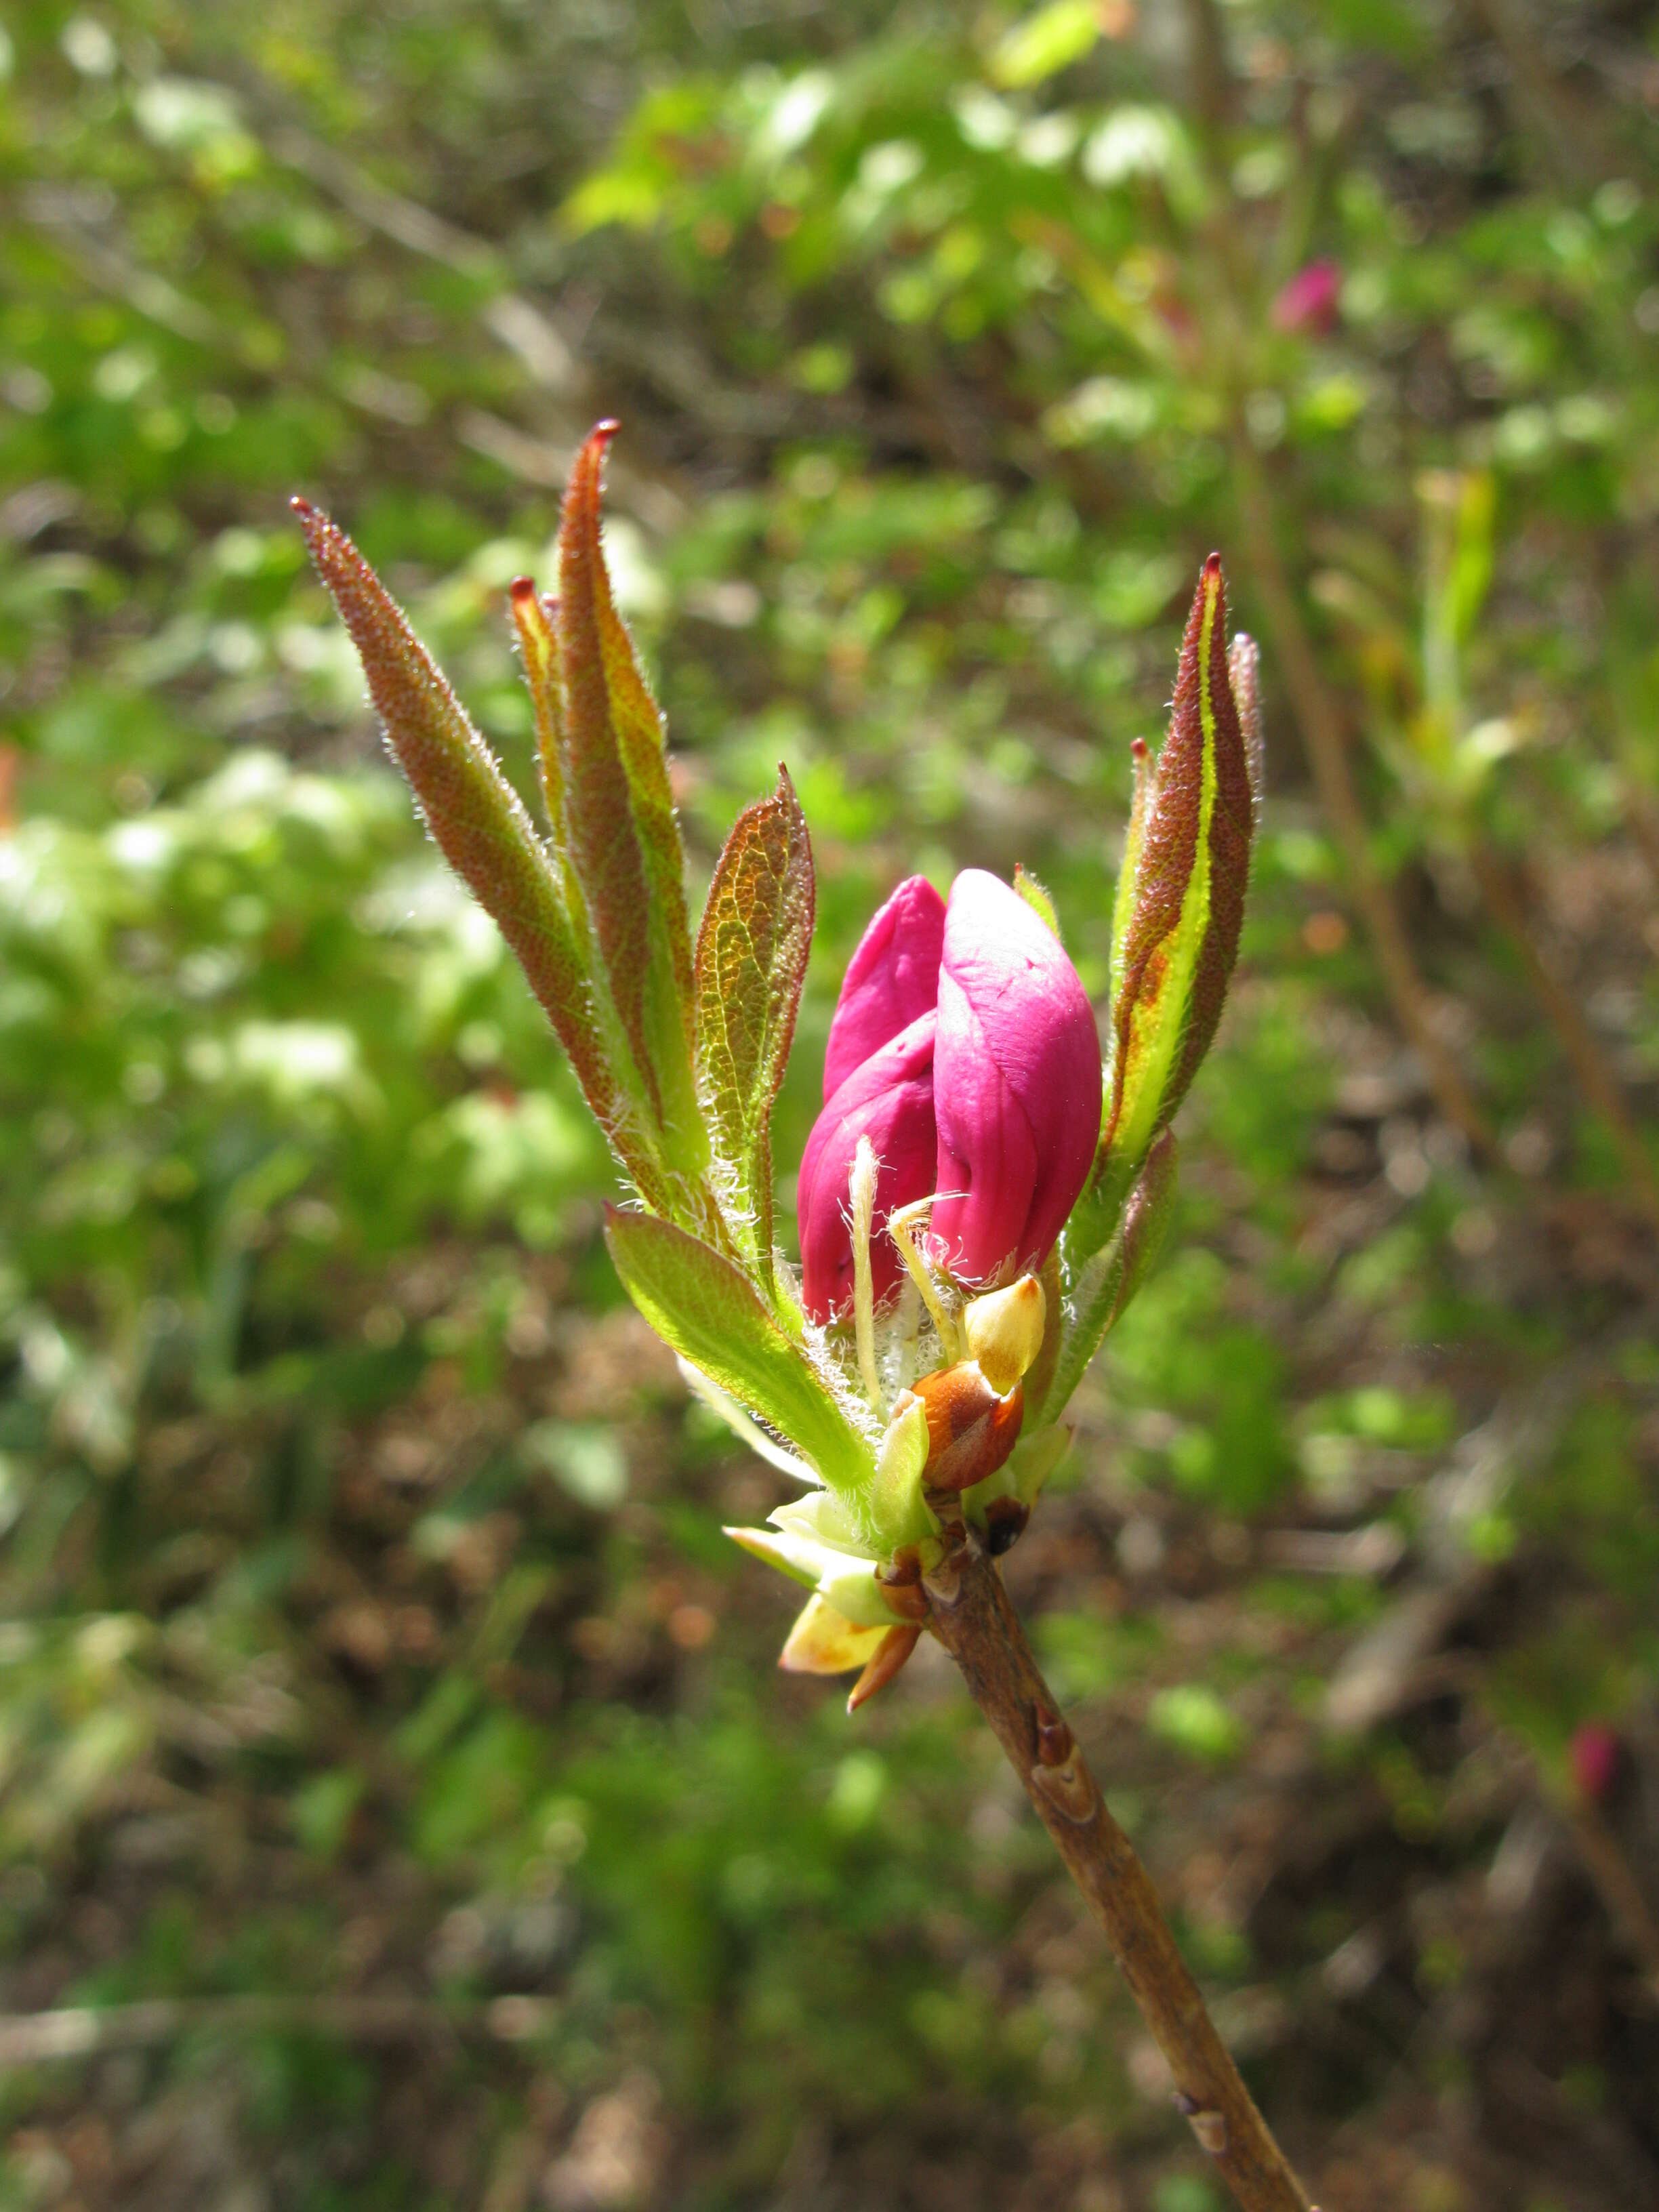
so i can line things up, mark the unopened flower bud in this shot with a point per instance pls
(1004, 1332)
(963, 1046)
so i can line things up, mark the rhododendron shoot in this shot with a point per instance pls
(978, 1199)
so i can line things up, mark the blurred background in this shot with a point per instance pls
(399, 1803)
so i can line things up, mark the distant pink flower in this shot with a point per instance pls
(1309, 300)
(965, 1048)
(1595, 1755)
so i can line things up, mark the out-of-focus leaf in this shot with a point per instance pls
(1046, 43)
(750, 964)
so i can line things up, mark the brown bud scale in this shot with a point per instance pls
(970, 1430)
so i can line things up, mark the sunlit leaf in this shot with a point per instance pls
(624, 841)
(477, 821)
(1181, 912)
(704, 1307)
(1046, 43)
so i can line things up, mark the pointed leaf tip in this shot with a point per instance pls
(623, 841)
(475, 815)
(884, 1662)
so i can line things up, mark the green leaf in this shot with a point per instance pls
(809, 1540)
(479, 824)
(1182, 911)
(1036, 897)
(625, 842)
(1103, 1282)
(1046, 43)
(750, 964)
(535, 621)
(709, 1312)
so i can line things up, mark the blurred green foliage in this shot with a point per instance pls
(367, 1625)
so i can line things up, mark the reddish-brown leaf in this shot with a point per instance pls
(624, 842)
(477, 820)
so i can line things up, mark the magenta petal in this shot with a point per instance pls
(986, 1164)
(889, 1099)
(1017, 1082)
(892, 980)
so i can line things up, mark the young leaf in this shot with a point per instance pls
(1179, 933)
(479, 822)
(1244, 679)
(1108, 1279)
(750, 964)
(624, 843)
(824, 1642)
(708, 1311)
(1036, 897)
(535, 621)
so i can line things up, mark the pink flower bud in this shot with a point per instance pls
(964, 1048)
(888, 1098)
(893, 977)
(1310, 299)
(1017, 1082)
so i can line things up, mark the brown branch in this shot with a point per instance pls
(978, 1626)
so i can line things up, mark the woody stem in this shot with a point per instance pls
(971, 1614)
